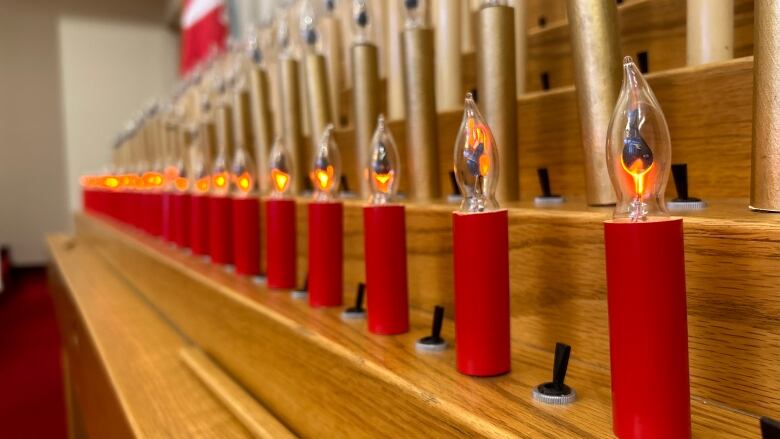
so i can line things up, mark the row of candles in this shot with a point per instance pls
(208, 201)
(213, 208)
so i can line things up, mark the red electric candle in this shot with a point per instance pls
(480, 253)
(182, 211)
(152, 203)
(220, 220)
(385, 240)
(280, 239)
(199, 216)
(326, 241)
(246, 215)
(645, 274)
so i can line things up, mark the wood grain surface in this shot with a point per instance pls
(653, 26)
(259, 422)
(115, 337)
(559, 292)
(306, 364)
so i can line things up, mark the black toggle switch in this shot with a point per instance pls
(770, 428)
(547, 198)
(357, 311)
(434, 342)
(683, 201)
(544, 78)
(555, 391)
(303, 292)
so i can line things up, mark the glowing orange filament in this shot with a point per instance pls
(181, 184)
(383, 181)
(111, 182)
(202, 185)
(280, 179)
(323, 177)
(220, 181)
(638, 173)
(244, 182)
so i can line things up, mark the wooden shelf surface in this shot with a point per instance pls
(306, 364)
(111, 332)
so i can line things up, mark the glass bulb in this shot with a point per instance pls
(200, 181)
(220, 175)
(383, 166)
(326, 172)
(310, 35)
(244, 174)
(476, 161)
(638, 149)
(416, 13)
(361, 21)
(281, 169)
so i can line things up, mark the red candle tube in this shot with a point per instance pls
(648, 329)
(128, 206)
(155, 213)
(138, 210)
(480, 247)
(386, 280)
(199, 224)
(168, 220)
(220, 224)
(326, 276)
(147, 211)
(280, 241)
(246, 236)
(181, 230)
(87, 199)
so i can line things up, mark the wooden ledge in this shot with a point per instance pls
(112, 333)
(306, 364)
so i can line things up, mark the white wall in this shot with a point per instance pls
(108, 71)
(38, 105)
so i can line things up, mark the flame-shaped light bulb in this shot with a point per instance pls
(383, 166)
(326, 172)
(244, 174)
(309, 32)
(476, 161)
(361, 21)
(415, 13)
(638, 149)
(280, 169)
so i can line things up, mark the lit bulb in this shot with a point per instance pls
(244, 174)
(383, 166)
(416, 13)
(326, 172)
(281, 169)
(310, 35)
(152, 180)
(361, 21)
(638, 149)
(476, 161)
(111, 182)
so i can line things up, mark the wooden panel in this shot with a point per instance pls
(255, 417)
(558, 286)
(126, 371)
(326, 377)
(653, 26)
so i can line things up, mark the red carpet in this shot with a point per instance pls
(32, 403)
